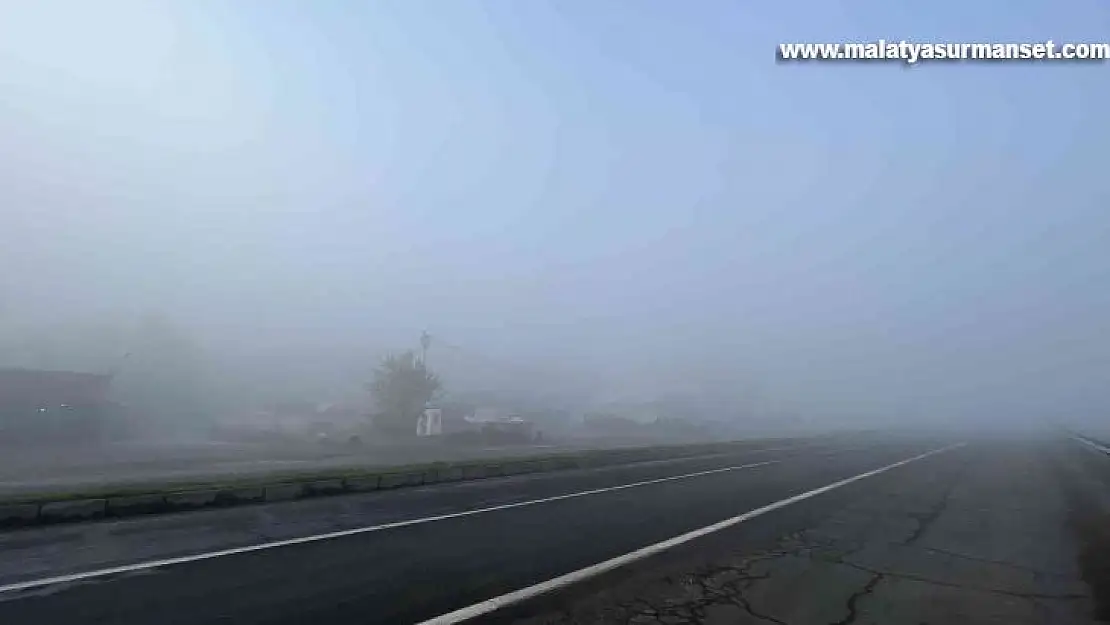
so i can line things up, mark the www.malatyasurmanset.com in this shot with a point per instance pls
(909, 52)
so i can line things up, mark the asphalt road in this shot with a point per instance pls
(408, 556)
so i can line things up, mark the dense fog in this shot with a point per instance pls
(229, 205)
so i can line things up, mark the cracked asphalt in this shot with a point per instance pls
(1010, 533)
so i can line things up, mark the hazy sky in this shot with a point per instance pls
(632, 188)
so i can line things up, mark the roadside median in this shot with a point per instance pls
(110, 501)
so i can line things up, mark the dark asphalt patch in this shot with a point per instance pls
(1093, 531)
(1085, 480)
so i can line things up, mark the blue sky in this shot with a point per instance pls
(580, 181)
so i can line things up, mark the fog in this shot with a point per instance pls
(583, 203)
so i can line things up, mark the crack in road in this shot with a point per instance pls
(745, 605)
(996, 591)
(711, 586)
(926, 520)
(854, 598)
(1011, 565)
(744, 580)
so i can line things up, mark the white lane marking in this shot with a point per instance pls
(517, 596)
(1092, 445)
(153, 564)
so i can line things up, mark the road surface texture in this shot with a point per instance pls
(1008, 532)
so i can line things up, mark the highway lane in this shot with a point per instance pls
(419, 570)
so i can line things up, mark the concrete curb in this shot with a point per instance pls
(77, 508)
(191, 500)
(72, 510)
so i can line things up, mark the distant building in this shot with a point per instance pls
(52, 406)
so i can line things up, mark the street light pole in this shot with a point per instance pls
(425, 342)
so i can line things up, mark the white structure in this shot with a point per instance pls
(430, 423)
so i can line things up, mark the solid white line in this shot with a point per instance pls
(518, 596)
(1092, 445)
(154, 564)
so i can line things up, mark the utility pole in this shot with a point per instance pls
(425, 342)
